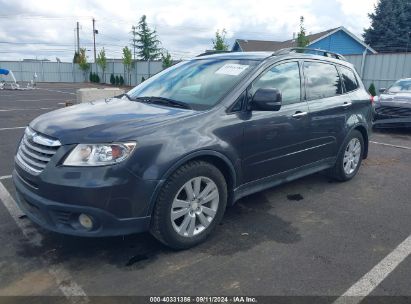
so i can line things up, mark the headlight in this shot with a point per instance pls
(99, 154)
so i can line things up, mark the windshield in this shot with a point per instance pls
(199, 83)
(401, 86)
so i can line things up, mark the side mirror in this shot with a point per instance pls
(382, 90)
(266, 100)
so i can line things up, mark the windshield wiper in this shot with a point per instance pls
(124, 94)
(164, 101)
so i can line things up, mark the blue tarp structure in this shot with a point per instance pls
(4, 72)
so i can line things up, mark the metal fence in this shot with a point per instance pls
(381, 69)
(69, 72)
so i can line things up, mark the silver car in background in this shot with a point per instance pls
(393, 107)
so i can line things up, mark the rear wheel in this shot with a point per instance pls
(190, 205)
(350, 157)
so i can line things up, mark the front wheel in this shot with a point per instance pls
(190, 205)
(350, 157)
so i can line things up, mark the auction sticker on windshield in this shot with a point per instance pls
(232, 69)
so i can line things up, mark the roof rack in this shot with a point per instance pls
(310, 51)
(212, 53)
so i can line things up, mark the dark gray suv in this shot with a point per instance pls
(173, 152)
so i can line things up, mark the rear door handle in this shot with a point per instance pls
(347, 104)
(299, 114)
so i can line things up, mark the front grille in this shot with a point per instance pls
(394, 111)
(35, 151)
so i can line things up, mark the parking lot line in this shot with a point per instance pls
(50, 90)
(356, 293)
(9, 110)
(12, 128)
(66, 284)
(390, 145)
(5, 177)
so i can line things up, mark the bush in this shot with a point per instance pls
(142, 79)
(372, 89)
(112, 79)
(91, 77)
(117, 80)
(121, 80)
(97, 78)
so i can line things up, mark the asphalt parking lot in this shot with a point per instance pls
(311, 237)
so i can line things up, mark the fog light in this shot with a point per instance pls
(85, 221)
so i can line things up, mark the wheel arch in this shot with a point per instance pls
(364, 133)
(219, 160)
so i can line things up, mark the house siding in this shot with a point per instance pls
(339, 42)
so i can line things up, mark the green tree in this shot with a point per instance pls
(390, 26)
(146, 41)
(127, 62)
(102, 62)
(372, 89)
(302, 40)
(83, 64)
(166, 59)
(121, 80)
(112, 79)
(117, 79)
(219, 43)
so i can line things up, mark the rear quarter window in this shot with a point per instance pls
(349, 79)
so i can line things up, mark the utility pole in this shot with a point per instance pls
(78, 37)
(94, 39)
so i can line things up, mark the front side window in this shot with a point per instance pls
(349, 79)
(322, 80)
(200, 83)
(284, 77)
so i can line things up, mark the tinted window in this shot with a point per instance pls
(284, 77)
(322, 80)
(348, 77)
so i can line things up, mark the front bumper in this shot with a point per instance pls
(116, 209)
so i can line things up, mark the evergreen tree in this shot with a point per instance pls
(112, 79)
(146, 43)
(219, 43)
(372, 89)
(390, 26)
(302, 40)
(166, 59)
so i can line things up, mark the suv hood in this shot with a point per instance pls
(107, 120)
(396, 100)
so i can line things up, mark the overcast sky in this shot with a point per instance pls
(45, 29)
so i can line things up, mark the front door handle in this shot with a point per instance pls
(299, 114)
(347, 104)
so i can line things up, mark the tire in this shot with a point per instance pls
(339, 171)
(176, 205)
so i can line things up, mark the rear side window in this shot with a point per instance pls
(322, 80)
(349, 79)
(284, 77)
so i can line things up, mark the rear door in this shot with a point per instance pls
(323, 92)
(275, 141)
